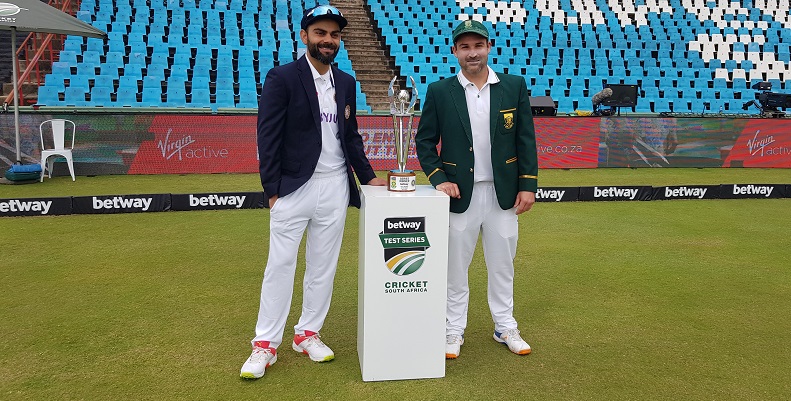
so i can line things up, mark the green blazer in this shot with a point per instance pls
(445, 121)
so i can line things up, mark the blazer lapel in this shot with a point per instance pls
(340, 101)
(306, 76)
(460, 100)
(495, 100)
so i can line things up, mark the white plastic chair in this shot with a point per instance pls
(58, 131)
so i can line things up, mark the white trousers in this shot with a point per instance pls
(500, 233)
(320, 207)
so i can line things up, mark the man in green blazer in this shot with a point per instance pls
(488, 165)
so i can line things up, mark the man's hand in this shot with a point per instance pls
(524, 201)
(449, 188)
(378, 182)
(272, 201)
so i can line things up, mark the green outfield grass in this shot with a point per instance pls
(663, 300)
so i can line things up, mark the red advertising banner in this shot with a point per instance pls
(567, 142)
(198, 144)
(762, 143)
(140, 143)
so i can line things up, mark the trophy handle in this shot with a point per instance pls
(414, 99)
(391, 96)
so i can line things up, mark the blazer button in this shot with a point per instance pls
(471, 170)
(470, 148)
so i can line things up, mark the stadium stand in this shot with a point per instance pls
(685, 55)
(672, 49)
(165, 53)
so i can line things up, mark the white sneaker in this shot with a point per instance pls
(311, 345)
(259, 360)
(453, 344)
(513, 340)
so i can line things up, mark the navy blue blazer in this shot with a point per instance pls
(289, 130)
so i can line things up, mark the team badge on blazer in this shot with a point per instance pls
(347, 112)
(508, 120)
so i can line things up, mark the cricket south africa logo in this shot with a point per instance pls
(404, 241)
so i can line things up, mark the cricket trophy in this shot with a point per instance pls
(403, 112)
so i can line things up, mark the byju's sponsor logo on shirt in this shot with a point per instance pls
(331, 118)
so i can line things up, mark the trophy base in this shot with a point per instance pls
(401, 181)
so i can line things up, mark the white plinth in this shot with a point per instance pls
(401, 307)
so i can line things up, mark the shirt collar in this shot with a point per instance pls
(491, 79)
(316, 74)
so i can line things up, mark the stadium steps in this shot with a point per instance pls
(373, 67)
(5, 61)
(5, 57)
(30, 87)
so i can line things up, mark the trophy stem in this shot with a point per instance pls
(402, 110)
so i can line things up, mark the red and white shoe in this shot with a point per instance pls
(311, 345)
(259, 360)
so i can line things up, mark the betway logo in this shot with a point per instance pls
(394, 225)
(119, 202)
(555, 194)
(16, 205)
(217, 200)
(614, 192)
(765, 190)
(684, 192)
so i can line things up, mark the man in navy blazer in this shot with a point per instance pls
(308, 145)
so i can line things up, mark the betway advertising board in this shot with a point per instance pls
(217, 201)
(121, 203)
(35, 207)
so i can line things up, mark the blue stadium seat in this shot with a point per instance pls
(128, 82)
(68, 57)
(48, 96)
(224, 98)
(152, 97)
(176, 95)
(248, 99)
(200, 97)
(100, 96)
(75, 96)
(107, 81)
(126, 97)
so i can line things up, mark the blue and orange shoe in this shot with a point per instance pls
(453, 344)
(513, 340)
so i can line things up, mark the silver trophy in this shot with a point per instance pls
(403, 111)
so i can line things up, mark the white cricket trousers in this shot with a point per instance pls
(500, 233)
(320, 207)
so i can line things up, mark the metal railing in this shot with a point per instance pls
(38, 53)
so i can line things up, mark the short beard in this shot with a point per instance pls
(313, 49)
